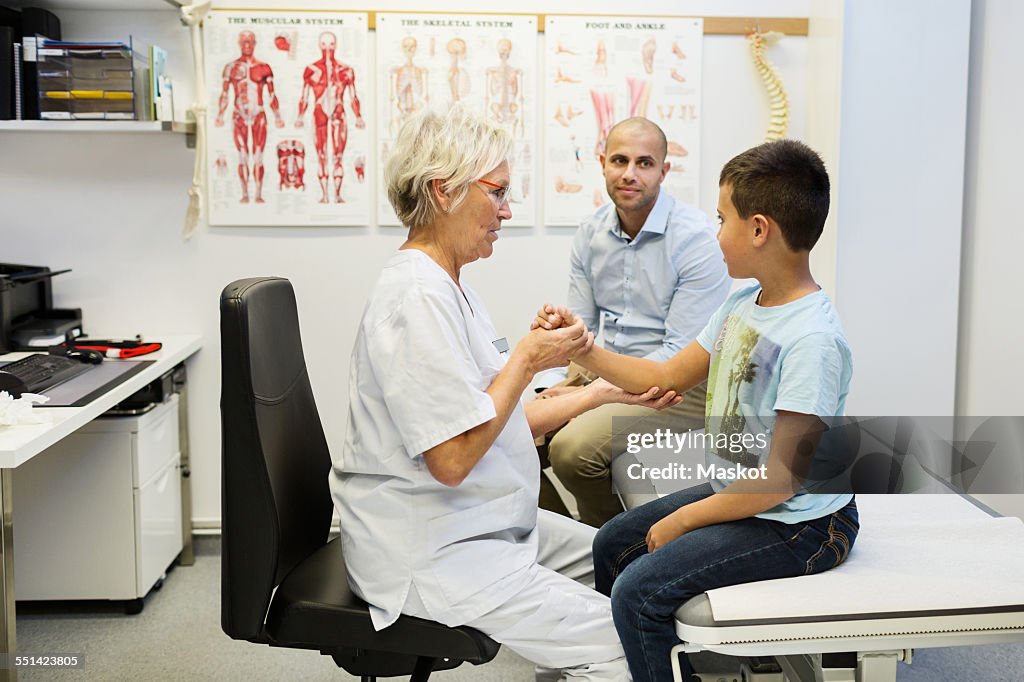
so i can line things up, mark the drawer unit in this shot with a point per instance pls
(99, 513)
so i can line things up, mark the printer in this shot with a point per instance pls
(28, 320)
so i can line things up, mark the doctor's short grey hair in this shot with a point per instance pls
(458, 148)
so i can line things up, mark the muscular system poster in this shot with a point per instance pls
(484, 61)
(287, 141)
(601, 70)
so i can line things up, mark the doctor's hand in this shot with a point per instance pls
(665, 531)
(547, 349)
(605, 392)
(553, 317)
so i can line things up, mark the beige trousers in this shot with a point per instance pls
(581, 452)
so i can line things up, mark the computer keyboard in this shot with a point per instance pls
(40, 372)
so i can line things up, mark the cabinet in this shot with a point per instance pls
(99, 513)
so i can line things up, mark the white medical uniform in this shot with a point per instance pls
(474, 554)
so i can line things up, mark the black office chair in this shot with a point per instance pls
(277, 509)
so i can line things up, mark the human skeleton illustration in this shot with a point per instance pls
(408, 86)
(327, 81)
(458, 77)
(247, 77)
(504, 95)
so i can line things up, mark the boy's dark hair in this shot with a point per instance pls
(785, 180)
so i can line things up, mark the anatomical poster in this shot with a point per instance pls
(601, 70)
(488, 62)
(286, 132)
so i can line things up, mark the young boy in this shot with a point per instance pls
(778, 368)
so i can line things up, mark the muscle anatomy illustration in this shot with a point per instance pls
(565, 117)
(779, 117)
(504, 94)
(604, 111)
(408, 87)
(601, 59)
(291, 164)
(244, 81)
(647, 54)
(639, 95)
(327, 82)
(221, 164)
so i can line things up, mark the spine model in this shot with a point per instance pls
(779, 121)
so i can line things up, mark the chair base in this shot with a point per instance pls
(369, 665)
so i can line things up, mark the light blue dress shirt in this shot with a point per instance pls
(653, 294)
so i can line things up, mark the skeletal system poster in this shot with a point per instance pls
(600, 70)
(482, 61)
(287, 142)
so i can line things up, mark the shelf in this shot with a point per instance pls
(119, 5)
(98, 126)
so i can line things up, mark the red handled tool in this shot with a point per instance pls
(117, 348)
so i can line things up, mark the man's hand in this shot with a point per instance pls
(665, 531)
(360, 123)
(605, 392)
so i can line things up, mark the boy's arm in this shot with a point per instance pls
(794, 443)
(680, 373)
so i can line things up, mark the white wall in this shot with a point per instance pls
(991, 367)
(110, 206)
(902, 137)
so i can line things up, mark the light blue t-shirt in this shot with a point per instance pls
(792, 357)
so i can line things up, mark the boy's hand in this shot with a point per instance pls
(666, 530)
(552, 317)
(548, 349)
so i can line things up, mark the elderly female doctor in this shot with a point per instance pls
(437, 482)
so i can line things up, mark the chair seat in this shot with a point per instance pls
(314, 608)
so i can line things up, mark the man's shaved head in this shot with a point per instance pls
(639, 124)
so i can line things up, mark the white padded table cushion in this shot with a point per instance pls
(913, 553)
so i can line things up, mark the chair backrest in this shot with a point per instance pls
(276, 505)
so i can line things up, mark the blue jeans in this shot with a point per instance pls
(647, 588)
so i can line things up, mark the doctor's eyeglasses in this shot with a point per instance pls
(499, 192)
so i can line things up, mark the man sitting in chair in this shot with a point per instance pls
(649, 267)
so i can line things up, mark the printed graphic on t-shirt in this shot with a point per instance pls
(742, 365)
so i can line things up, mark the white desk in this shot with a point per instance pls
(18, 444)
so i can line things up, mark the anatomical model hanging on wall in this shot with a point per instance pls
(287, 117)
(601, 70)
(485, 62)
(778, 121)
